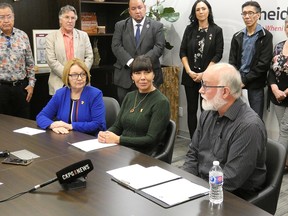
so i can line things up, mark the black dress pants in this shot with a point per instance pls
(13, 100)
(192, 96)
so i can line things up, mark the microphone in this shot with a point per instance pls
(69, 174)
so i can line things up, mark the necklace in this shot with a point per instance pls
(135, 106)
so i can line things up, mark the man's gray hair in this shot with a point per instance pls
(230, 77)
(6, 5)
(67, 8)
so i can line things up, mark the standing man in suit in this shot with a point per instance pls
(65, 44)
(126, 46)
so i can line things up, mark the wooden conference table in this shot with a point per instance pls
(102, 196)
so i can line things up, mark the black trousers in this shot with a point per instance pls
(13, 100)
(192, 97)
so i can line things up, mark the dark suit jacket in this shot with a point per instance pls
(213, 49)
(152, 42)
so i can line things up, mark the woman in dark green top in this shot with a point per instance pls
(144, 114)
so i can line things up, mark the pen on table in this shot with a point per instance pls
(122, 182)
(125, 182)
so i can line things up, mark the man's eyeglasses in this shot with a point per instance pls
(76, 76)
(8, 17)
(249, 13)
(205, 87)
(8, 42)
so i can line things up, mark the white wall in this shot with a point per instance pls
(226, 15)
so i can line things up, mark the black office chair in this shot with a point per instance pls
(267, 199)
(112, 109)
(166, 151)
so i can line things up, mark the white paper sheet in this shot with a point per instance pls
(29, 131)
(176, 191)
(93, 144)
(137, 177)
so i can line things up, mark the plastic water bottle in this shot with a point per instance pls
(216, 183)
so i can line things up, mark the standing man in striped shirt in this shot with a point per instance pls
(17, 76)
(230, 132)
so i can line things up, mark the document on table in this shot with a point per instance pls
(175, 192)
(138, 177)
(158, 185)
(93, 144)
(29, 131)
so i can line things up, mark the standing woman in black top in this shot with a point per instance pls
(201, 46)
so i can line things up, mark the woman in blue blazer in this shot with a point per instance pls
(76, 106)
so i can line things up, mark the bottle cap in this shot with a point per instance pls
(215, 163)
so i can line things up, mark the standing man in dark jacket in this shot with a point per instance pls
(126, 47)
(251, 53)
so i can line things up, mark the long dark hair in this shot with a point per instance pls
(193, 19)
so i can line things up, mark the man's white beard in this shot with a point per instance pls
(213, 104)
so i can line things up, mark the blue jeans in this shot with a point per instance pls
(256, 100)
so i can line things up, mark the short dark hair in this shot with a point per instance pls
(254, 4)
(130, 0)
(6, 5)
(141, 63)
(193, 19)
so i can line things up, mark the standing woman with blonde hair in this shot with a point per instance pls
(201, 46)
(278, 83)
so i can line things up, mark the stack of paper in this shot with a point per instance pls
(158, 185)
(137, 177)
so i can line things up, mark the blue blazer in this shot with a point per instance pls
(91, 110)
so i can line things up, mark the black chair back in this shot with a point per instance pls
(267, 199)
(166, 152)
(112, 109)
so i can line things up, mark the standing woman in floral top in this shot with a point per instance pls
(278, 81)
(17, 76)
(201, 46)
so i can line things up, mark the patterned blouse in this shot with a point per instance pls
(279, 72)
(201, 34)
(16, 59)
